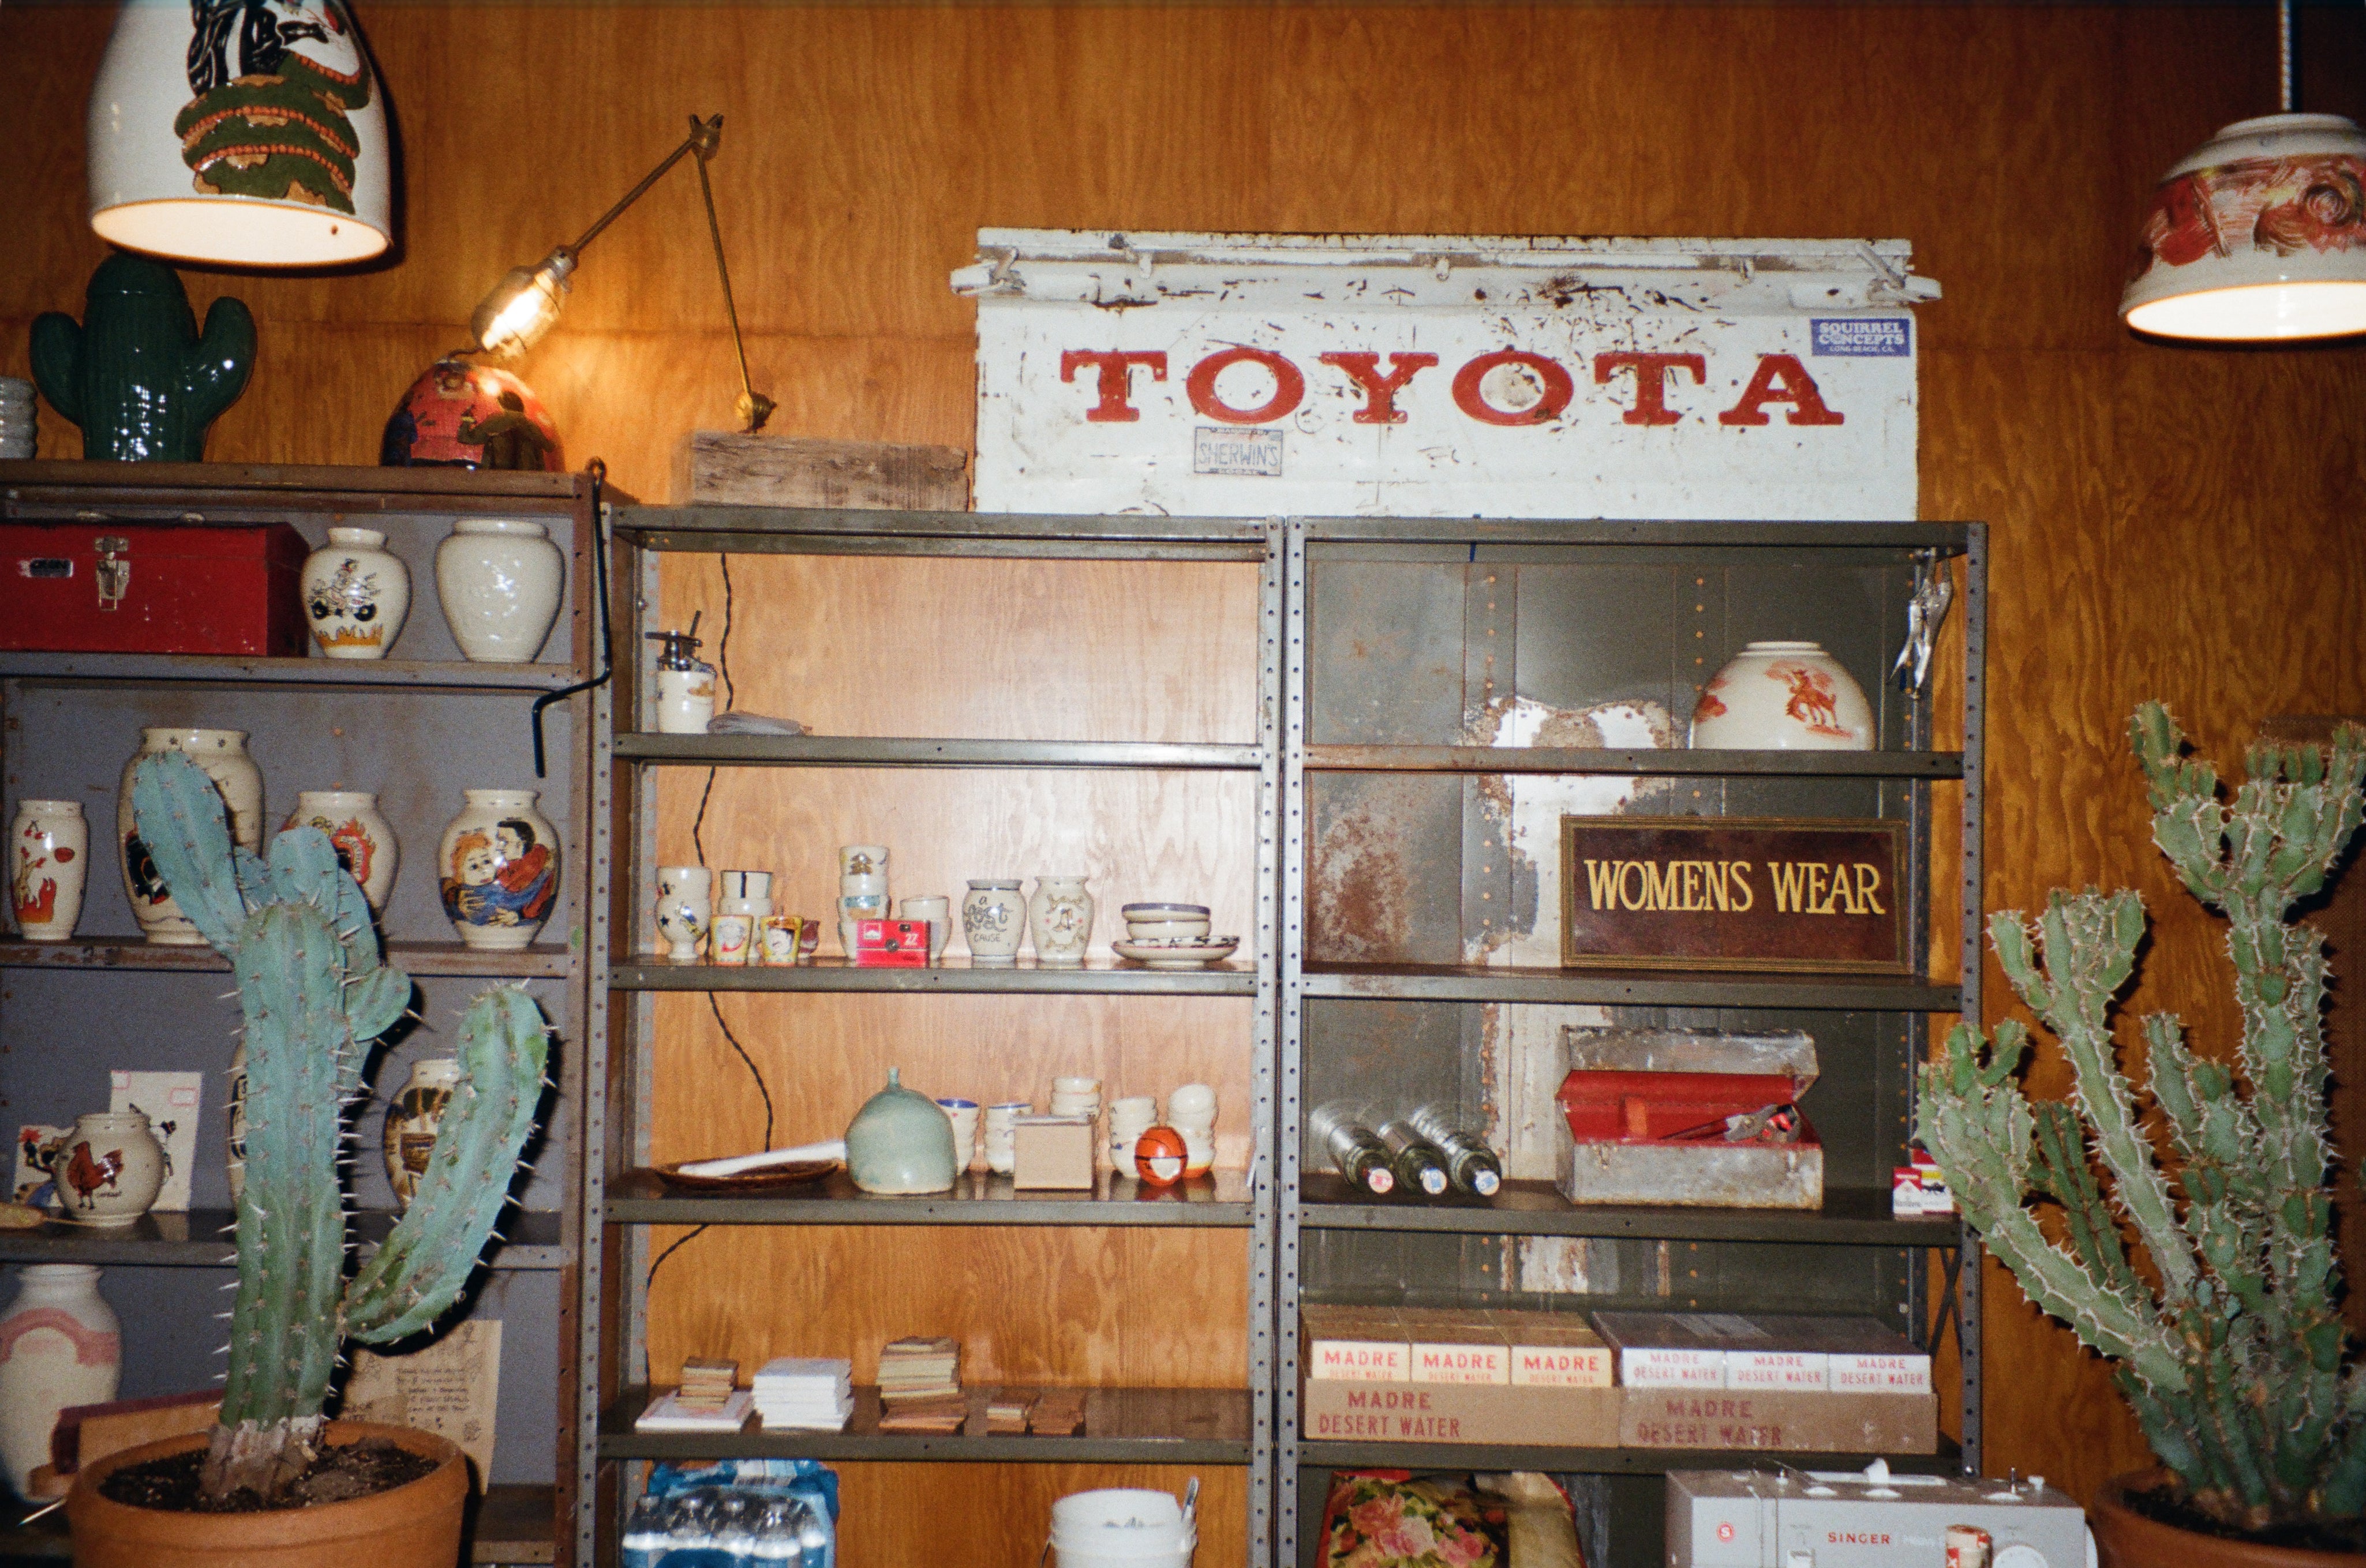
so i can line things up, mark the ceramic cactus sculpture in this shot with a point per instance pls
(315, 994)
(136, 374)
(2230, 1344)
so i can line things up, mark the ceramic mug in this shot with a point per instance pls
(938, 911)
(1001, 1134)
(963, 1114)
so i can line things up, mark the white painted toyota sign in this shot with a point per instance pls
(1254, 376)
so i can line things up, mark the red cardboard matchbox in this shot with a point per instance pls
(891, 944)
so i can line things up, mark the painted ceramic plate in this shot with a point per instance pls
(1177, 952)
(772, 1176)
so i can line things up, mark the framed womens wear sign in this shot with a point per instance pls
(1734, 894)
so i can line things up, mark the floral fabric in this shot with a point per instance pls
(1384, 1520)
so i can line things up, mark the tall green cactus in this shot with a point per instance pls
(315, 994)
(2231, 1346)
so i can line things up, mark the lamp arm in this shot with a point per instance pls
(754, 407)
(704, 136)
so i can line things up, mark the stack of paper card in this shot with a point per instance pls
(941, 1416)
(706, 1382)
(1057, 1412)
(920, 1369)
(667, 1413)
(1006, 1414)
(813, 1393)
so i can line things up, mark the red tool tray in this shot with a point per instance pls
(126, 588)
(1613, 1105)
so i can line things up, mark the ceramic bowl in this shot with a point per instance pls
(1161, 930)
(1177, 952)
(1164, 911)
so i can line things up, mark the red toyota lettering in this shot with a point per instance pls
(1781, 378)
(1116, 380)
(1380, 391)
(1557, 389)
(1289, 387)
(1651, 382)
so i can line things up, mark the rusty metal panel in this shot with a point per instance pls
(1384, 653)
(1383, 882)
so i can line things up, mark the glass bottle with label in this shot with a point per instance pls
(1357, 1152)
(1470, 1163)
(1420, 1167)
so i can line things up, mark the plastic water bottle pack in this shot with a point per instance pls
(750, 1514)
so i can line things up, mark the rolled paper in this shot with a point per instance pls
(739, 1164)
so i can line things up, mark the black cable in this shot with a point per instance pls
(716, 1009)
(698, 823)
(598, 472)
(723, 647)
(650, 1278)
(697, 826)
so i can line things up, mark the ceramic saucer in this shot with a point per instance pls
(1177, 952)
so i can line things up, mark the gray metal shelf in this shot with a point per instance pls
(1095, 977)
(1669, 762)
(339, 675)
(1895, 541)
(1123, 1425)
(1627, 988)
(1849, 1217)
(855, 751)
(1220, 1199)
(1948, 1461)
(200, 1238)
(783, 529)
(544, 960)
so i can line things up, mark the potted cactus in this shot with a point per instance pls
(315, 994)
(2222, 1317)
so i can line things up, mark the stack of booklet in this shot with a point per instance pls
(919, 1386)
(811, 1394)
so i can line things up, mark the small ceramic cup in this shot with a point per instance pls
(1128, 1117)
(938, 911)
(1191, 1111)
(776, 941)
(740, 887)
(734, 935)
(1001, 1130)
(963, 1114)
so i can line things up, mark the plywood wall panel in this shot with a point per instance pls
(994, 1515)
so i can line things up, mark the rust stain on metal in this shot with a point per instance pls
(1361, 885)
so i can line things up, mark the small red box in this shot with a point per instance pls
(1613, 1106)
(892, 943)
(122, 587)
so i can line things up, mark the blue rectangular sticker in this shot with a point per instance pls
(1887, 337)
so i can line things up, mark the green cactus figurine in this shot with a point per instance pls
(136, 374)
(315, 994)
(2231, 1348)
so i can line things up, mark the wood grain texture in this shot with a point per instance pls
(995, 1516)
(2168, 522)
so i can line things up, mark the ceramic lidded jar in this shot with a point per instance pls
(49, 855)
(356, 595)
(900, 1142)
(499, 579)
(222, 754)
(361, 835)
(412, 1120)
(1061, 913)
(111, 1169)
(1782, 697)
(684, 909)
(498, 865)
(61, 1345)
(994, 922)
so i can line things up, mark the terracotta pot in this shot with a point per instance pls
(2125, 1539)
(416, 1526)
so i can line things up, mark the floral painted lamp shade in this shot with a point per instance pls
(249, 132)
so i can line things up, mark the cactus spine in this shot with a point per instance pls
(2231, 1348)
(315, 994)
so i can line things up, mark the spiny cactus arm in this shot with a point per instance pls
(57, 344)
(504, 1049)
(224, 357)
(303, 866)
(2170, 1423)
(179, 815)
(2090, 944)
(2341, 1487)
(2063, 1176)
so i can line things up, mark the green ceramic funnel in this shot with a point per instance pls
(900, 1142)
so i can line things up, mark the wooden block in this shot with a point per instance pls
(722, 467)
(1051, 1151)
(88, 1433)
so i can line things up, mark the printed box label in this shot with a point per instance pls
(1863, 337)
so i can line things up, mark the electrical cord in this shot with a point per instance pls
(650, 1278)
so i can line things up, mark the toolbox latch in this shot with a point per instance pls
(114, 574)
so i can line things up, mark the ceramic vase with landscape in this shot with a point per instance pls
(1784, 697)
(356, 595)
(361, 837)
(498, 580)
(49, 855)
(498, 864)
(221, 755)
(61, 1345)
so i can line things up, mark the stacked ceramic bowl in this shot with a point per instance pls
(16, 423)
(1172, 936)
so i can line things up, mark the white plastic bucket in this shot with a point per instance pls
(1121, 1527)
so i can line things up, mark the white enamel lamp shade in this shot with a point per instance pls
(248, 132)
(2259, 234)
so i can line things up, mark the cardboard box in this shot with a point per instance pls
(891, 944)
(1762, 1352)
(1620, 1418)
(1051, 1151)
(1554, 1349)
(1353, 1344)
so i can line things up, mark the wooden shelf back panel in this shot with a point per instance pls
(996, 1516)
(1007, 650)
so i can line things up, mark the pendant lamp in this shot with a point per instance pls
(2261, 234)
(247, 132)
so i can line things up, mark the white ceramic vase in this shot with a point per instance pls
(363, 838)
(994, 922)
(684, 909)
(111, 1169)
(223, 755)
(355, 594)
(1782, 697)
(61, 1345)
(498, 866)
(408, 1136)
(1061, 915)
(499, 579)
(48, 856)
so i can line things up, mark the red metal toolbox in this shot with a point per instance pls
(125, 588)
(1689, 1117)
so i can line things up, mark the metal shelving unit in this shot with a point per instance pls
(414, 730)
(1394, 870)
(622, 1198)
